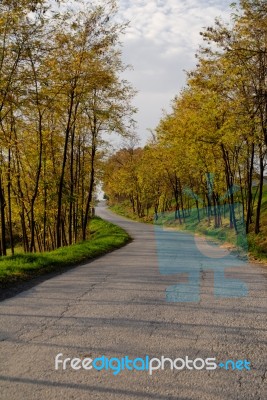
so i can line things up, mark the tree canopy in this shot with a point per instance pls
(60, 91)
(209, 152)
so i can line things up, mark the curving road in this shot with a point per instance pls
(116, 306)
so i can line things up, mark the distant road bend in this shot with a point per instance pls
(115, 306)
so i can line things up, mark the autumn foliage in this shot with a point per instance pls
(60, 91)
(210, 151)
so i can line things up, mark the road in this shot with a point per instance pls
(116, 306)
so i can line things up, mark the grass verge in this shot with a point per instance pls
(126, 211)
(105, 237)
(256, 246)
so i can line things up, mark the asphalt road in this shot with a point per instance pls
(116, 306)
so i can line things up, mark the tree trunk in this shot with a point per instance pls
(9, 204)
(61, 182)
(249, 188)
(3, 223)
(90, 192)
(258, 213)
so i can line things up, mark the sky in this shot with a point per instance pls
(160, 43)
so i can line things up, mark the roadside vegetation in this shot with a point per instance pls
(206, 160)
(254, 244)
(61, 93)
(104, 237)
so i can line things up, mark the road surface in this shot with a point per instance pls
(116, 306)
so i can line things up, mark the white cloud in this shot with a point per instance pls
(160, 43)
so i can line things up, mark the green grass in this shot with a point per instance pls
(258, 243)
(125, 210)
(220, 235)
(255, 245)
(104, 238)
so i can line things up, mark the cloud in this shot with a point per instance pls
(160, 43)
(171, 22)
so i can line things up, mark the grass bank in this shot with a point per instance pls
(256, 245)
(125, 210)
(22, 267)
